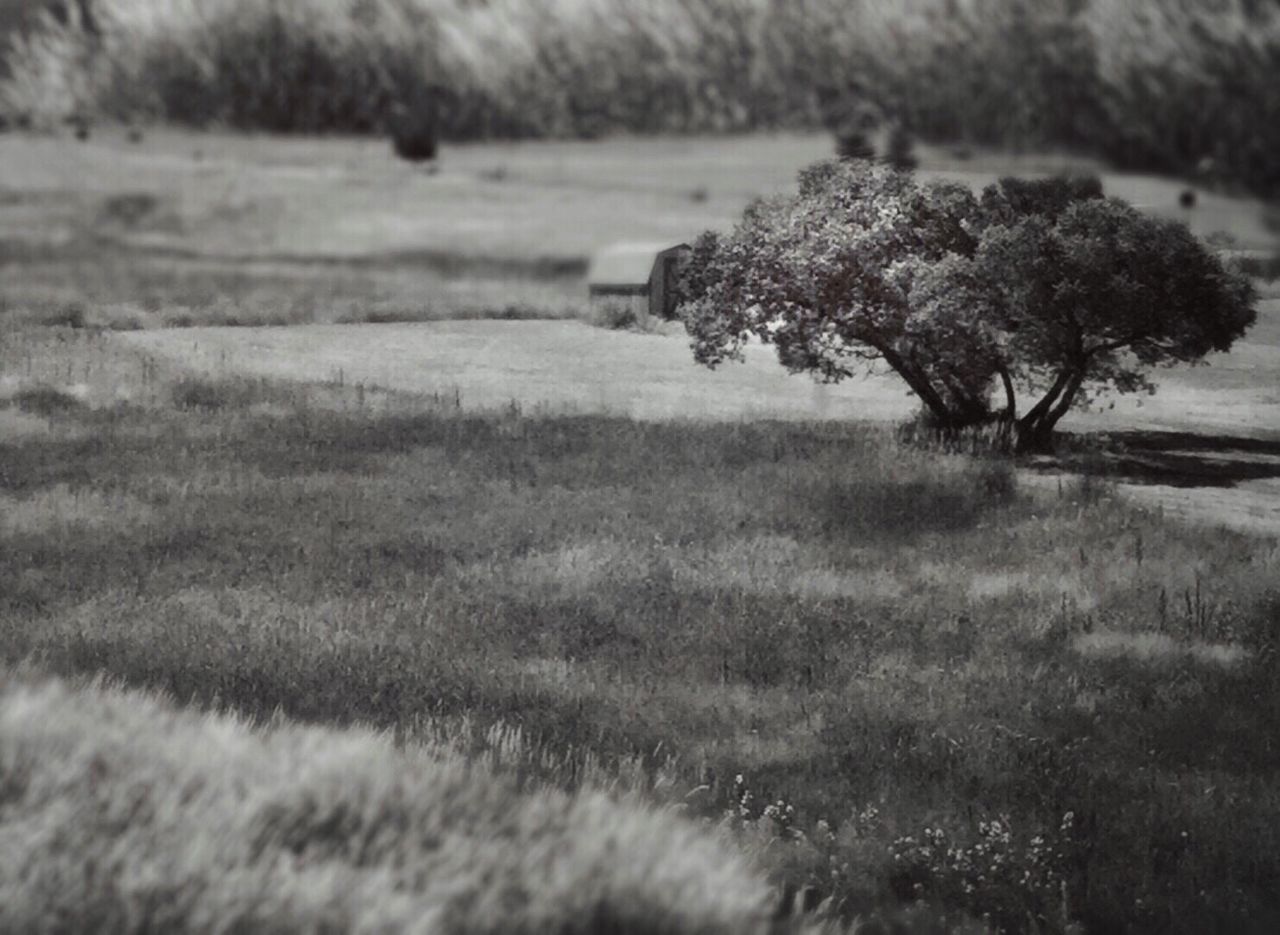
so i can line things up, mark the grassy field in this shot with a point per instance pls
(218, 229)
(1208, 442)
(889, 673)
(570, 366)
(573, 562)
(226, 195)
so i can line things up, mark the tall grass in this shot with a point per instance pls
(813, 635)
(1174, 85)
(104, 288)
(120, 814)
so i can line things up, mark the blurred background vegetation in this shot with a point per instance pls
(1179, 86)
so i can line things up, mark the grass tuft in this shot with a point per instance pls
(192, 823)
(210, 395)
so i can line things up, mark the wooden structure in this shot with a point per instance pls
(638, 276)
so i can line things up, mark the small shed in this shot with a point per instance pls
(639, 276)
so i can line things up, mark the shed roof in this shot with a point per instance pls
(626, 264)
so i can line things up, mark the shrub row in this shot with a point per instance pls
(1172, 85)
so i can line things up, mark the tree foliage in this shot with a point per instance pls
(1044, 288)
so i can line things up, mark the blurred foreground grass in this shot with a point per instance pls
(129, 816)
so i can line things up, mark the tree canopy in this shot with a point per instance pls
(1044, 288)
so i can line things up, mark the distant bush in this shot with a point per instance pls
(210, 395)
(519, 311)
(899, 150)
(46, 401)
(854, 144)
(71, 315)
(415, 132)
(128, 209)
(615, 316)
(1260, 266)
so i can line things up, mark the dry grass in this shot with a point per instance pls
(558, 365)
(566, 367)
(60, 510)
(260, 199)
(122, 814)
(219, 229)
(536, 366)
(886, 640)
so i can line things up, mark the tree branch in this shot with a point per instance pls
(1065, 402)
(1046, 402)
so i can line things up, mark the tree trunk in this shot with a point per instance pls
(965, 407)
(1040, 409)
(920, 384)
(1010, 398)
(1035, 429)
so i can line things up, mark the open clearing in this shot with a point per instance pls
(569, 367)
(220, 228)
(260, 197)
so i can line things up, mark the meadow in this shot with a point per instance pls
(232, 229)
(889, 673)
(640, 644)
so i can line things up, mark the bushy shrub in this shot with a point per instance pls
(1260, 266)
(211, 395)
(616, 316)
(71, 315)
(46, 400)
(414, 132)
(854, 144)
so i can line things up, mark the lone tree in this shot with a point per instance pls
(1043, 288)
